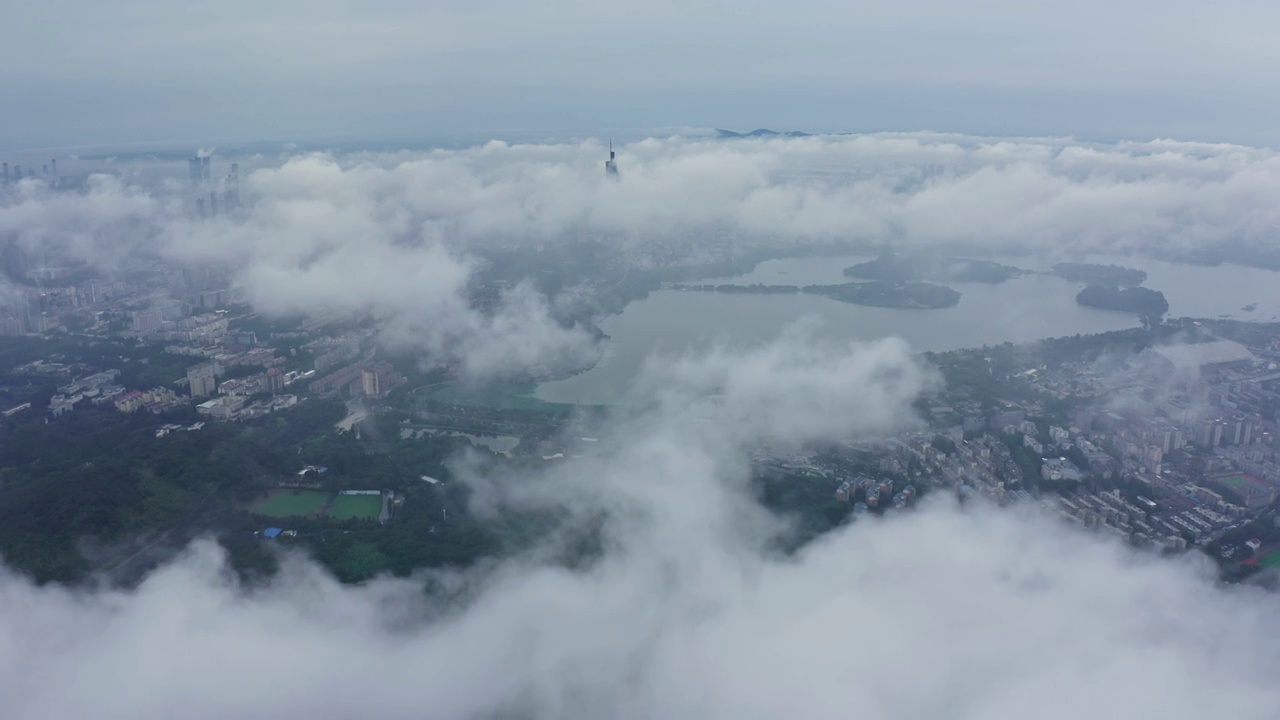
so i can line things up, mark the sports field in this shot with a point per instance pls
(286, 502)
(356, 507)
(1242, 482)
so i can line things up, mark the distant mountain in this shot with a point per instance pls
(762, 132)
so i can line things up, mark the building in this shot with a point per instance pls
(844, 492)
(369, 380)
(338, 382)
(203, 379)
(221, 408)
(274, 381)
(147, 321)
(129, 402)
(198, 168)
(1060, 469)
(611, 165)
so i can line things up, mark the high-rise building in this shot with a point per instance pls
(147, 321)
(193, 169)
(17, 172)
(371, 382)
(6, 171)
(11, 325)
(274, 381)
(53, 166)
(231, 195)
(44, 169)
(611, 165)
(203, 379)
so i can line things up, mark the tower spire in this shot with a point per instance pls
(610, 165)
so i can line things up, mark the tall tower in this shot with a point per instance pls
(611, 165)
(53, 166)
(193, 167)
(6, 171)
(231, 194)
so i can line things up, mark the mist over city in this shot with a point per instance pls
(673, 360)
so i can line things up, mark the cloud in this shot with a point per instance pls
(916, 188)
(401, 236)
(967, 613)
(797, 388)
(979, 614)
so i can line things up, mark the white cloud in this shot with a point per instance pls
(397, 235)
(979, 614)
(687, 613)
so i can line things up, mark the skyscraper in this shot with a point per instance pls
(202, 379)
(611, 165)
(193, 167)
(53, 166)
(231, 195)
(6, 171)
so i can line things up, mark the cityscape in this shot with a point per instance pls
(640, 360)
(1170, 447)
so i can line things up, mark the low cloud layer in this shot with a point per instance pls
(939, 612)
(913, 188)
(399, 236)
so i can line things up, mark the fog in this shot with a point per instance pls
(688, 612)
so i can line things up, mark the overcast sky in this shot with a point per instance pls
(78, 72)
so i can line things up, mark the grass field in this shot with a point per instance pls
(1270, 560)
(356, 507)
(285, 502)
(1242, 482)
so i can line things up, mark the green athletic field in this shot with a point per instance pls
(356, 507)
(286, 502)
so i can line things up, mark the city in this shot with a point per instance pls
(1169, 446)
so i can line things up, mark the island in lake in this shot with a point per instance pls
(875, 293)
(1140, 300)
(904, 268)
(880, 293)
(1095, 274)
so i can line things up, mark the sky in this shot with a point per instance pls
(944, 611)
(76, 72)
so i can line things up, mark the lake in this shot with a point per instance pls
(1025, 309)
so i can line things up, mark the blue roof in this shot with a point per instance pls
(272, 532)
